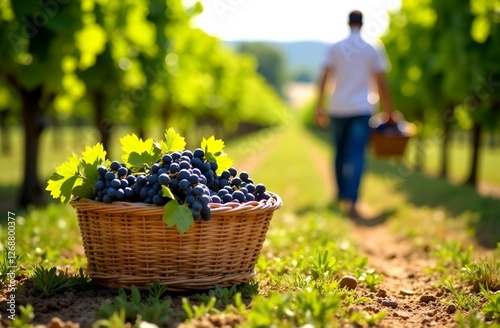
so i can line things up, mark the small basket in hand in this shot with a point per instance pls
(390, 139)
(129, 244)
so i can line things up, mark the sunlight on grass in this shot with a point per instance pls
(48, 236)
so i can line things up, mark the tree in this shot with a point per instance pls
(270, 60)
(453, 51)
(63, 52)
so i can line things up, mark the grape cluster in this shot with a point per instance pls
(191, 178)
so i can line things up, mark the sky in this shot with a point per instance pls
(291, 20)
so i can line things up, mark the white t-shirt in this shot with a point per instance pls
(353, 63)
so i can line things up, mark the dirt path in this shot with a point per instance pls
(406, 293)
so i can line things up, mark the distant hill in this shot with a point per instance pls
(301, 56)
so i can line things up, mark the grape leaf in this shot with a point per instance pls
(91, 159)
(223, 163)
(84, 190)
(167, 192)
(173, 142)
(178, 215)
(66, 176)
(137, 152)
(214, 151)
(212, 146)
(95, 155)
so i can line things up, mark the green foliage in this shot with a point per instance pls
(451, 254)
(115, 320)
(224, 296)
(491, 308)
(25, 317)
(8, 265)
(270, 62)
(473, 320)
(363, 318)
(371, 278)
(48, 282)
(198, 311)
(304, 306)
(443, 56)
(77, 175)
(484, 273)
(135, 307)
(214, 151)
(462, 297)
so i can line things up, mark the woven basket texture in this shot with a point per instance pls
(129, 244)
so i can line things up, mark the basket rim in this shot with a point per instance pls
(271, 204)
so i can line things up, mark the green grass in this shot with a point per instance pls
(459, 159)
(308, 247)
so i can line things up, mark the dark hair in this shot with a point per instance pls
(355, 17)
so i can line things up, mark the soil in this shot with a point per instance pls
(407, 294)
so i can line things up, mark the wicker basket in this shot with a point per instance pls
(388, 145)
(129, 244)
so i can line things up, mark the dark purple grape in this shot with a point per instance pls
(184, 184)
(164, 179)
(260, 188)
(249, 197)
(244, 176)
(184, 174)
(99, 185)
(227, 198)
(173, 168)
(215, 199)
(166, 159)
(198, 191)
(102, 170)
(120, 193)
(196, 162)
(131, 179)
(198, 153)
(239, 196)
(111, 192)
(115, 165)
(155, 168)
(153, 178)
(194, 179)
(121, 172)
(109, 176)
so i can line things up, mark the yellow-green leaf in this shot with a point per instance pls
(223, 163)
(167, 192)
(212, 145)
(63, 180)
(94, 155)
(137, 152)
(173, 142)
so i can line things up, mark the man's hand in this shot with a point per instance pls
(321, 117)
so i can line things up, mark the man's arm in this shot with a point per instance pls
(384, 93)
(321, 117)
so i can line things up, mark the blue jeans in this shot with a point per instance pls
(350, 136)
